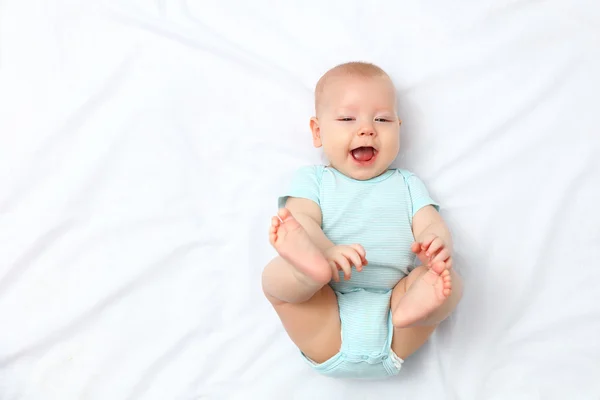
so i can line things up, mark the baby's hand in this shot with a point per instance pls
(431, 250)
(343, 257)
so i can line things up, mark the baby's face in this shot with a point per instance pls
(358, 126)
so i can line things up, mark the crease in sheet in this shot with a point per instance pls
(65, 133)
(88, 317)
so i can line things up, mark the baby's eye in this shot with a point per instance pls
(382, 120)
(345, 119)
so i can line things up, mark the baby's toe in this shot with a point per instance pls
(447, 281)
(438, 268)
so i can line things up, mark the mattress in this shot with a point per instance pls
(143, 146)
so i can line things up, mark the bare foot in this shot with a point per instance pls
(294, 245)
(427, 293)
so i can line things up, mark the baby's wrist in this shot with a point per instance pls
(327, 246)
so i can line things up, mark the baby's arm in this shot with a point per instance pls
(433, 241)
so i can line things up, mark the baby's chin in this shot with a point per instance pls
(361, 174)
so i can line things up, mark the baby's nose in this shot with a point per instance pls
(366, 132)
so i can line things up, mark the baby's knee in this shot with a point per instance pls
(265, 278)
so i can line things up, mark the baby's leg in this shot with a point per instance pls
(301, 268)
(419, 303)
(296, 285)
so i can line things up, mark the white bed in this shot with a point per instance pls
(143, 146)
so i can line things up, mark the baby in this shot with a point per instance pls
(345, 285)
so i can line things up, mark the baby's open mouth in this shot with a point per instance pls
(363, 153)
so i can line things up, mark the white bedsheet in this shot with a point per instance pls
(143, 146)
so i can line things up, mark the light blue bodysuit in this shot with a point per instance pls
(376, 214)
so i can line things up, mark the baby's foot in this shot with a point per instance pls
(295, 246)
(426, 294)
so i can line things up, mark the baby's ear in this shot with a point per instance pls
(316, 132)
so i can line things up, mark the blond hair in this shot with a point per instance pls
(354, 68)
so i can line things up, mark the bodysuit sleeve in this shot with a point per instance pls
(305, 184)
(419, 195)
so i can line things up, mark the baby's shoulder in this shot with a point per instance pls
(409, 178)
(404, 173)
(308, 174)
(315, 171)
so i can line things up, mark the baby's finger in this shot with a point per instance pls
(335, 273)
(449, 263)
(443, 255)
(361, 253)
(343, 262)
(356, 260)
(436, 245)
(428, 240)
(420, 253)
(361, 250)
(423, 258)
(415, 247)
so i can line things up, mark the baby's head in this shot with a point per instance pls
(356, 120)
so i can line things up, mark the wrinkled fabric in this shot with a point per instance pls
(142, 145)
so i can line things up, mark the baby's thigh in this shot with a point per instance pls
(314, 326)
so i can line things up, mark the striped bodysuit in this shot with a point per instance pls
(377, 214)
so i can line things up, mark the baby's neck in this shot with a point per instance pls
(369, 177)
